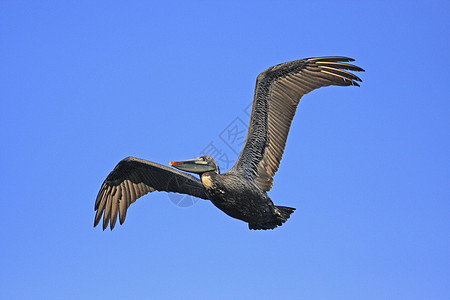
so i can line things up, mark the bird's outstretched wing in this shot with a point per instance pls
(131, 179)
(277, 94)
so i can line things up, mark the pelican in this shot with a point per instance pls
(242, 191)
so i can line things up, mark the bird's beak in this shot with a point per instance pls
(196, 165)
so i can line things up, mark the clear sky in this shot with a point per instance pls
(84, 84)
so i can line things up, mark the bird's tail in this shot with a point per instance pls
(284, 212)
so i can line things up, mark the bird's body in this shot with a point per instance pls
(242, 199)
(242, 191)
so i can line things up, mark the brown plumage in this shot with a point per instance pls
(242, 191)
(277, 95)
(131, 179)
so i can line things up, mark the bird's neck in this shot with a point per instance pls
(207, 179)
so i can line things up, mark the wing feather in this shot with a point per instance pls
(277, 95)
(131, 179)
(123, 205)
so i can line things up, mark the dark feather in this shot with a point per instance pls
(131, 179)
(278, 92)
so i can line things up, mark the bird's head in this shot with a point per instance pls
(197, 165)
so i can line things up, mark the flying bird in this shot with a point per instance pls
(242, 191)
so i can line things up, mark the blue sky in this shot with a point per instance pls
(85, 84)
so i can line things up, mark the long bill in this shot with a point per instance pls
(196, 165)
